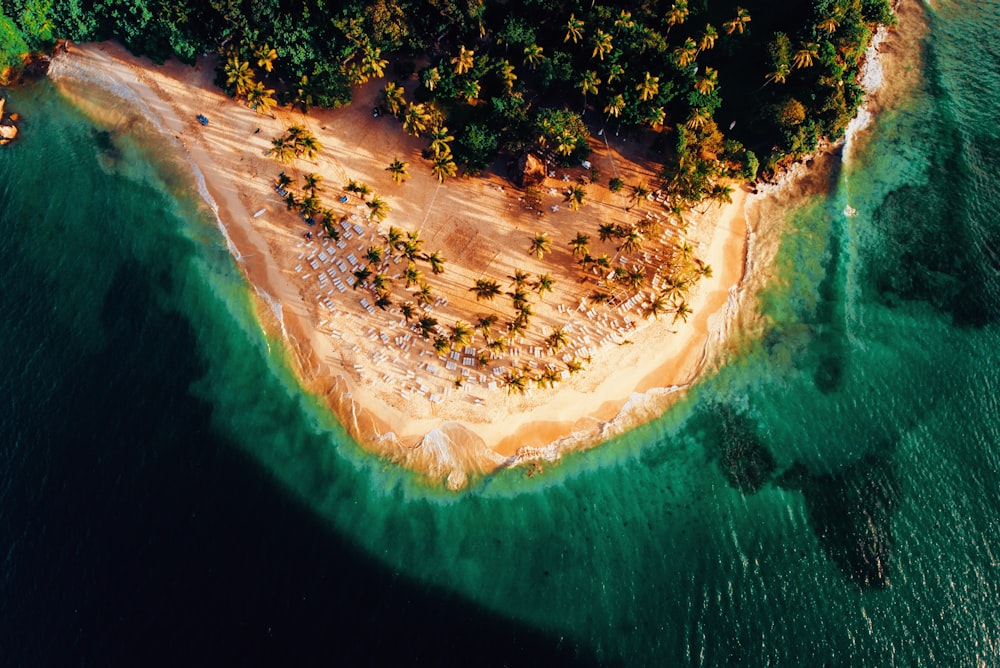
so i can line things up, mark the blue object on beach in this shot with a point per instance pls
(203, 119)
(343, 199)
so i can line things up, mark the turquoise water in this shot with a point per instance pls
(828, 494)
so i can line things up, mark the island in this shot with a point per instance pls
(487, 232)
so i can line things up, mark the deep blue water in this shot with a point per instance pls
(169, 495)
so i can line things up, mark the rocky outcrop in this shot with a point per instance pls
(7, 129)
(530, 171)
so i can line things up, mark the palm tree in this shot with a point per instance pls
(378, 208)
(524, 310)
(436, 261)
(624, 21)
(603, 261)
(518, 298)
(635, 278)
(702, 269)
(497, 346)
(372, 63)
(684, 55)
(427, 325)
(580, 245)
(698, 119)
(415, 120)
(381, 284)
(398, 170)
(425, 294)
(682, 311)
(556, 340)
(394, 100)
(657, 306)
(544, 284)
(615, 106)
(328, 227)
(708, 37)
(828, 25)
(444, 165)
(440, 140)
(520, 278)
(675, 288)
(461, 333)
(804, 56)
(686, 251)
(739, 23)
(291, 201)
(307, 146)
(576, 196)
(394, 237)
(648, 87)
(607, 231)
(283, 181)
(412, 244)
(464, 60)
(312, 181)
(238, 75)
(588, 84)
(485, 289)
(470, 90)
(485, 324)
(281, 150)
(574, 29)
(778, 76)
(517, 326)
(706, 84)
(599, 297)
(303, 94)
(677, 15)
(261, 99)
(573, 366)
(548, 377)
(516, 382)
(507, 75)
(482, 359)
(639, 194)
(615, 71)
(265, 57)
(412, 275)
(361, 275)
(632, 242)
(408, 310)
(540, 244)
(431, 78)
(374, 255)
(442, 345)
(533, 55)
(602, 44)
(310, 206)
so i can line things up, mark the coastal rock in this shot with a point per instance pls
(7, 133)
(530, 171)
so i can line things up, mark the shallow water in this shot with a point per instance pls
(828, 492)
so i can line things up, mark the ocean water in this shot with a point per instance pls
(827, 495)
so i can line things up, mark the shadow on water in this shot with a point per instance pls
(942, 238)
(851, 513)
(140, 537)
(829, 321)
(733, 442)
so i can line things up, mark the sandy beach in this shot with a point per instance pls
(444, 416)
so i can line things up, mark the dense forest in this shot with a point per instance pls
(710, 85)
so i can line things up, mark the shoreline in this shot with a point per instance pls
(627, 384)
